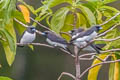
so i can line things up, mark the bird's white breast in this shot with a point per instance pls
(56, 44)
(28, 37)
(87, 38)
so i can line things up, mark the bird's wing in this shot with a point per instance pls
(82, 34)
(56, 38)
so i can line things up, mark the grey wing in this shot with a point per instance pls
(58, 39)
(84, 33)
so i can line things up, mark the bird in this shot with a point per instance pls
(75, 32)
(56, 40)
(28, 36)
(80, 38)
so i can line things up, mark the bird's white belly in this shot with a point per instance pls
(56, 44)
(28, 38)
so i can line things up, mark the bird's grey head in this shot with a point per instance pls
(45, 33)
(31, 29)
(75, 31)
(96, 28)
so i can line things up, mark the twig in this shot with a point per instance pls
(65, 73)
(108, 39)
(83, 55)
(91, 58)
(102, 34)
(36, 44)
(67, 52)
(106, 62)
(20, 22)
(111, 50)
(40, 24)
(110, 19)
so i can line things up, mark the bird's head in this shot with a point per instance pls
(71, 32)
(31, 29)
(97, 28)
(45, 33)
(75, 31)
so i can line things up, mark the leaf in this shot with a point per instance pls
(18, 15)
(88, 14)
(93, 73)
(68, 23)
(108, 1)
(25, 12)
(5, 78)
(9, 45)
(47, 4)
(109, 8)
(58, 19)
(111, 71)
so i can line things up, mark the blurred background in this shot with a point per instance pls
(45, 63)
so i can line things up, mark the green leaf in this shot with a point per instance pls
(5, 78)
(9, 45)
(88, 14)
(68, 23)
(93, 73)
(111, 71)
(18, 15)
(109, 8)
(114, 70)
(108, 1)
(58, 19)
(47, 4)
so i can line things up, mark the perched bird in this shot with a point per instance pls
(81, 38)
(75, 32)
(55, 40)
(29, 35)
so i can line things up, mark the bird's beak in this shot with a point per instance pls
(101, 28)
(43, 34)
(34, 30)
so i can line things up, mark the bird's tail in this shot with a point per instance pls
(94, 46)
(69, 50)
(100, 46)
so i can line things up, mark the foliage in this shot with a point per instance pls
(74, 14)
(89, 13)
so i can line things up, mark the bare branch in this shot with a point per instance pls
(20, 22)
(67, 52)
(110, 19)
(40, 24)
(111, 50)
(36, 44)
(106, 62)
(108, 39)
(83, 55)
(65, 73)
(102, 34)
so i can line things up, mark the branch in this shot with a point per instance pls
(36, 44)
(106, 62)
(20, 22)
(111, 50)
(108, 39)
(102, 34)
(110, 19)
(65, 51)
(77, 63)
(40, 24)
(65, 73)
